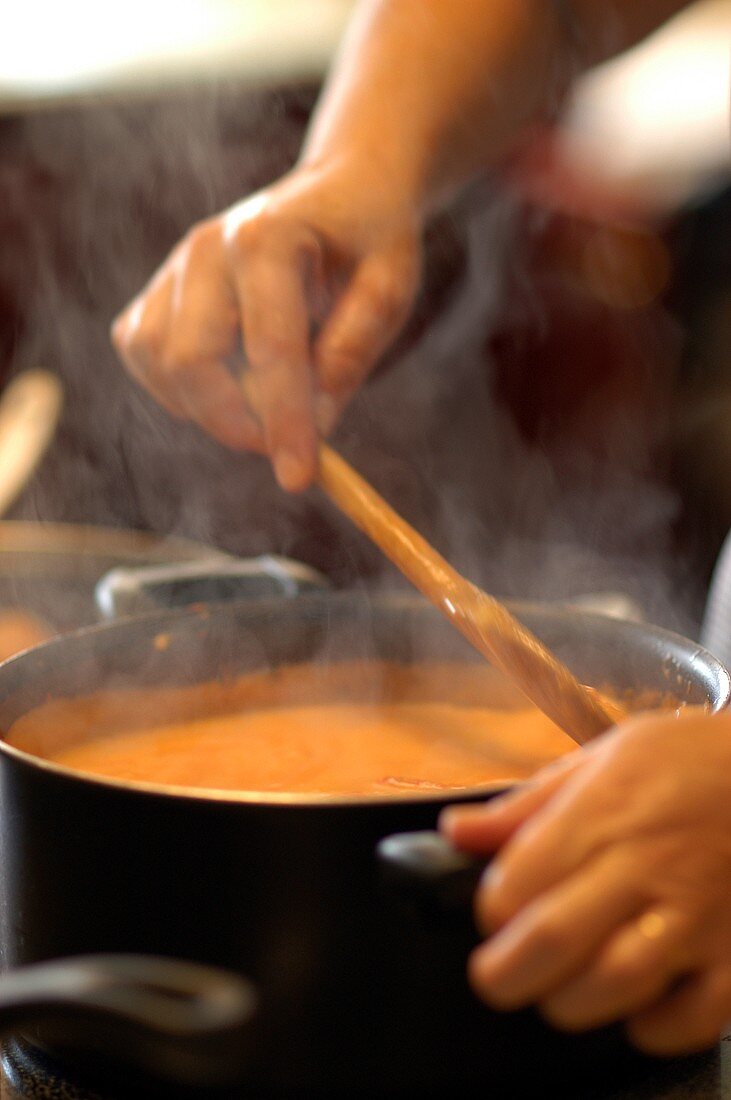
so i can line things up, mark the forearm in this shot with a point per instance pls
(424, 93)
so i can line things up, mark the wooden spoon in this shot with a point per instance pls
(485, 622)
(482, 619)
(30, 406)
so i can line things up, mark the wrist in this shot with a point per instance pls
(391, 184)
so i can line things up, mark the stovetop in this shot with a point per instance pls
(707, 1077)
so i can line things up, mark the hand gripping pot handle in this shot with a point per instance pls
(134, 590)
(175, 1020)
(425, 867)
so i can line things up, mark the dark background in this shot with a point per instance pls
(547, 438)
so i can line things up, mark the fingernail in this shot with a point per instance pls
(453, 817)
(448, 819)
(116, 330)
(289, 471)
(325, 413)
(484, 968)
(491, 877)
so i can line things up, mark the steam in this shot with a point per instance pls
(97, 197)
(583, 507)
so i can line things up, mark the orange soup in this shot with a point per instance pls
(349, 729)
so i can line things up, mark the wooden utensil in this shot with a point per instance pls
(30, 406)
(483, 620)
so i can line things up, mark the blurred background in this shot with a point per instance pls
(555, 416)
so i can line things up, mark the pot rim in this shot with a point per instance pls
(258, 798)
(273, 798)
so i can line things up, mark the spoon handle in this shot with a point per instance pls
(483, 620)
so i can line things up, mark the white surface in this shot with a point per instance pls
(656, 119)
(56, 50)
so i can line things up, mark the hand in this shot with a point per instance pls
(306, 282)
(610, 898)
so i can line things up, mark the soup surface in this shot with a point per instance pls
(351, 729)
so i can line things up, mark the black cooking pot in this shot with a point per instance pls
(361, 983)
(52, 570)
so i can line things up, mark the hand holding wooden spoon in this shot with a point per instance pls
(485, 622)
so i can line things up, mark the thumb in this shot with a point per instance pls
(485, 828)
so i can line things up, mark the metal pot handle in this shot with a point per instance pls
(133, 590)
(177, 1020)
(426, 868)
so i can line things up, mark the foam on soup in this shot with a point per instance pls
(352, 728)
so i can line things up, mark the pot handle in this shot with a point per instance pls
(132, 590)
(425, 867)
(173, 1019)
